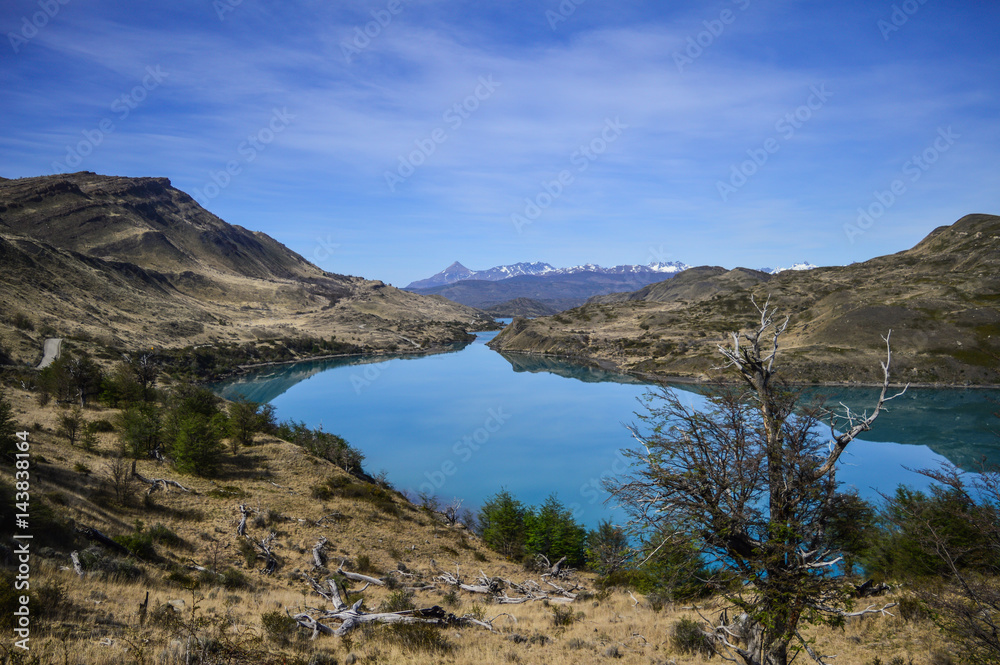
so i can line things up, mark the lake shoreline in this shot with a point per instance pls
(611, 366)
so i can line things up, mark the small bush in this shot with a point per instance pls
(364, 564)
(102, 425)
(227, 492)
(278, 626)
(687, 637)
(180, 578)
(234, 579)
(50, 597)
(418, 637)
(397, 601)
(21, 321)
(911, 609)
(562, 616)
(80, 467)
(111, 568)
(163, 535)
(248, 552)
(139, 544)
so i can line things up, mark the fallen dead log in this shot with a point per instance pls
(319, 557)
(156, 483)
(354, 617)
(333, 517)
(270, 561)
(93, 534)
(358, 577)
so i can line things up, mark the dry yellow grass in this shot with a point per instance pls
(99, 621)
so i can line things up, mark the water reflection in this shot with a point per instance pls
(435, 422)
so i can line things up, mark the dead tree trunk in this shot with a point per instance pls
(358, 577)
(77, 566)
(319, 557)
(156, 483)
(93, 534)
(353, 616)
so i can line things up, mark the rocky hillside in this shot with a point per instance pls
(521, 307)
(133, 261)
(940, 299)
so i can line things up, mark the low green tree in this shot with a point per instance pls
(8, 428)
(608, 549)
(140, 430)
(71, 424)
(246, 419)
(194, 426)
(197, 444)
(502, 524)
(552, 532)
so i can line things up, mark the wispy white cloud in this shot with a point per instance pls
(656, 184)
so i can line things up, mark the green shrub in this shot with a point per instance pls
(278, 626)
(562, 615)
(364, 563)
(397, 601)
(227, 492)
(139, 543)
(163, 535)
(22, 321)
(686, 637)
(911, 609)
(418, 638)
(111, 568)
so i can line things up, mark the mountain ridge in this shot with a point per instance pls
(134, 262)
(939, 298)
(457, 272)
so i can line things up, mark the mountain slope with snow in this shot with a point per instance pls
(456, 272)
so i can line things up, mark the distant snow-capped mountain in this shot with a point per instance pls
(798, 266)
(457, 272)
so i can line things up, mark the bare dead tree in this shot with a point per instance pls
(119, 475)
(751, 483)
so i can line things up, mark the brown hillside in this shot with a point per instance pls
(941, 299)
(129, 262)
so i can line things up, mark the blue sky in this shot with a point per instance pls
(736, 132)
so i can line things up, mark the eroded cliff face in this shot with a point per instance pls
(940, 300)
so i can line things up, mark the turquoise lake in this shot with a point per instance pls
(467, 423)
